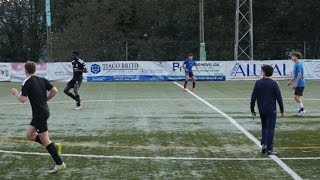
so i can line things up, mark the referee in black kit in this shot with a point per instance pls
(79, 67)
(266, 92)
(35, 88)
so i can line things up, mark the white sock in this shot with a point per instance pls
(300, 105)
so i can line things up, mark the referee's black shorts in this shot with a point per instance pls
(74, 81)
(39, 122)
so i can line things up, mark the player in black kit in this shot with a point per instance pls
(35, 88)
(79, 68)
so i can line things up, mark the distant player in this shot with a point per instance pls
(79, 68)
(299, 82)
(266, 92)
(35, 88)
(187, 66)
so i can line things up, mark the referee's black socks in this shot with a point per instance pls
(71, 95)
(193, 84)
(78, 100)
(54, 154)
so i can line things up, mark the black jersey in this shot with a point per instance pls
(79, 63)
(35, 88)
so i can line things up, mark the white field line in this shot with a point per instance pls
(293, 174)
(139, 100)
(157, 158)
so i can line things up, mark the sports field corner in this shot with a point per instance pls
(153, 130)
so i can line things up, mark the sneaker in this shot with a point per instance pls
(264, 149)
(58, 168)
(184, 89)
(271, 152)
(194, 89)
(58, 148)
(78, 108)
(301, 113)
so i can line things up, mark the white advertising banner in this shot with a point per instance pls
(160, 70)
(152, 71)
(5, 71)
(311, 69)
(18, 73)
(246, 70)
(61, 72)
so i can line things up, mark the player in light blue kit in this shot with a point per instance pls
(299, 82)
(187, 66)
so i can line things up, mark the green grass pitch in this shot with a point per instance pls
(153, 130)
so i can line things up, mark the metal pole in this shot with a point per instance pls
(236, 36)
(201, 29)
(48, 19)
(304, 50)
(201, 16)
(251, 30)
(127, 49)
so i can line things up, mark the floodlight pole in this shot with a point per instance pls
(48, 19)
(201, 30)
(243, 48)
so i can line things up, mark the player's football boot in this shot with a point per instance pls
(301, 113)
(78, 108)
(184, 89)
(194, 89)
(58, 168)
(58, 148)
(271, 152)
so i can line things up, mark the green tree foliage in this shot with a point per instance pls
(22, 28)
(154, 29)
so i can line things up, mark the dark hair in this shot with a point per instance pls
(190, 54)
(30, 67)
(297, 54)
(268, 70)
(75, 53)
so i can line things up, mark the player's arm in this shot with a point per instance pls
(279, 99)
(184, 66)
(197, 68)
(18, 95)
(290, 81)
(297, 80)
(53, 92)
(253, 100)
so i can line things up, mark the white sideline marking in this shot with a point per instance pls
(156, 158)
(293, 174)
(136, 100)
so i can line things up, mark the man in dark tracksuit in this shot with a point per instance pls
(266, 92)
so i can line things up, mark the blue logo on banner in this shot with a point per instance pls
(95, 68)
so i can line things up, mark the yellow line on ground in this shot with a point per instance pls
(212, 148)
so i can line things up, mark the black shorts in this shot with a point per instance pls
(299, 91)
(74, 81)
(190, 74)
(40, 123)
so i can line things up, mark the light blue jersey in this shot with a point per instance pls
(296, 69)
(189, 64)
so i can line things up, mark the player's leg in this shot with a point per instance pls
(193, 81)
(42, 128)
(270, 126)
(32, 132)
(67, 89)
(297, 97)
(263, 133)
(76, 92)
(186, 82)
